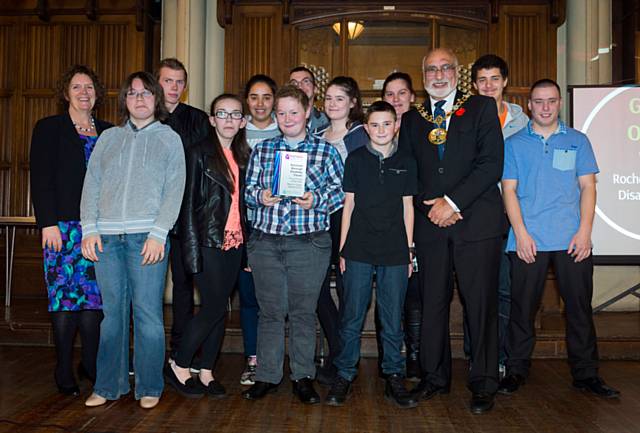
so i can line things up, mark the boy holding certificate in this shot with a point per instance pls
(376, 236)
(293, 185)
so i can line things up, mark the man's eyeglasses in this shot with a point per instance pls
(235, 115)
(445, 69)
(303, 82)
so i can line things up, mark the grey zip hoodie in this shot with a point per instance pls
(134, 182)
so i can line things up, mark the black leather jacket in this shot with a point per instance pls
(205, 206)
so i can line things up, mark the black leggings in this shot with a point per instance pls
(65, 325)
(206, 329)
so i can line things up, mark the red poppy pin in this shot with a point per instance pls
(460, 112)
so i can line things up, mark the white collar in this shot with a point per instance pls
(448, 105)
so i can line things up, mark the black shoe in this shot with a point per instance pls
(73, 391)
(259, 389)
(326, 375)
(188, 389)
(481, 403)
(339, 392)
(303, 389)
(214, 389)
(425, 390)
(413, 367)
(510, 384)
(596, 385)
(396, 393)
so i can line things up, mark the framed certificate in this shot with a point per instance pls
(290, 174)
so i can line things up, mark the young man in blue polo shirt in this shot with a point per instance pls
(376, 236)
(549, 191)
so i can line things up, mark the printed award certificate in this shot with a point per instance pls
(290, 174)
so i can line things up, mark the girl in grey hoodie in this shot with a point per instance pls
(130, 200)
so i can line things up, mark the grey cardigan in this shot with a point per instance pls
(134, 182)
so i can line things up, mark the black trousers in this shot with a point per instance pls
(476, 266)
(182, 305)
(575, 283)
(206, 329)
(328, 313)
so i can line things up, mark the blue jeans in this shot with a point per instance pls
(391, 289)
(288, 272)
(248, 312)
(125, 283)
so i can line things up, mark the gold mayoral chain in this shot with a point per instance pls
(438, 136)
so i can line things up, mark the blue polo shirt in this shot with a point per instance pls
(548, 189)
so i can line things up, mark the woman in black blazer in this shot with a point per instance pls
(60, 149)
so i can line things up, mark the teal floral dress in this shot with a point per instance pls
(70, 278)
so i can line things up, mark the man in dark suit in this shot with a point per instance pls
(457, 142)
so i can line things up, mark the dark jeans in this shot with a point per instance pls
(206, 329)
(182, 304)
(288, 272)
(575, 283)
(248, 312)
(391, 287)
(65, 326)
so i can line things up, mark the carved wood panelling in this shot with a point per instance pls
(79, 42)
(524, 43)
(5, 189)
(109, 110)
(7, 44)
(40, 59)
(114, 54)
(5, 133)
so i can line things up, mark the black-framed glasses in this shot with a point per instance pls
(235, 115)
(447, 68)
(305, 81)
(143, 94)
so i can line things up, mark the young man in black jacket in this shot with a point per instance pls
(192, 125)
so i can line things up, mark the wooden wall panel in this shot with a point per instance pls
(80, 45)
(113, 54)
(41, 65)
(254, 44)
(109, 109)
(7, 44)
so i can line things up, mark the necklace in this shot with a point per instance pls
(438, 136)
(89, 129)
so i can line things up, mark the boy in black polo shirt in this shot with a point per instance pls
(377, 232)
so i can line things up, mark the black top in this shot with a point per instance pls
(58, 165)
(191, 124)
(468, 173)
(377, 233)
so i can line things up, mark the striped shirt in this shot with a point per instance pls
(324, 181)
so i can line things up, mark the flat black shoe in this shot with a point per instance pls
(339, 392)
(510, 384)
(481, 403)
(326, 375)
(596, 385)
(425, 390)
(396, 393)
(259, 389)
(303, 389)
(214, 389)
(188, 389)
(73, 391)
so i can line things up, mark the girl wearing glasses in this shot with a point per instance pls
(130, 200)
(212, 236)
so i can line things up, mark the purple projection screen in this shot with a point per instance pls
(610, 117)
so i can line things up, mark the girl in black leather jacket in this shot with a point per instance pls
(212, 235)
